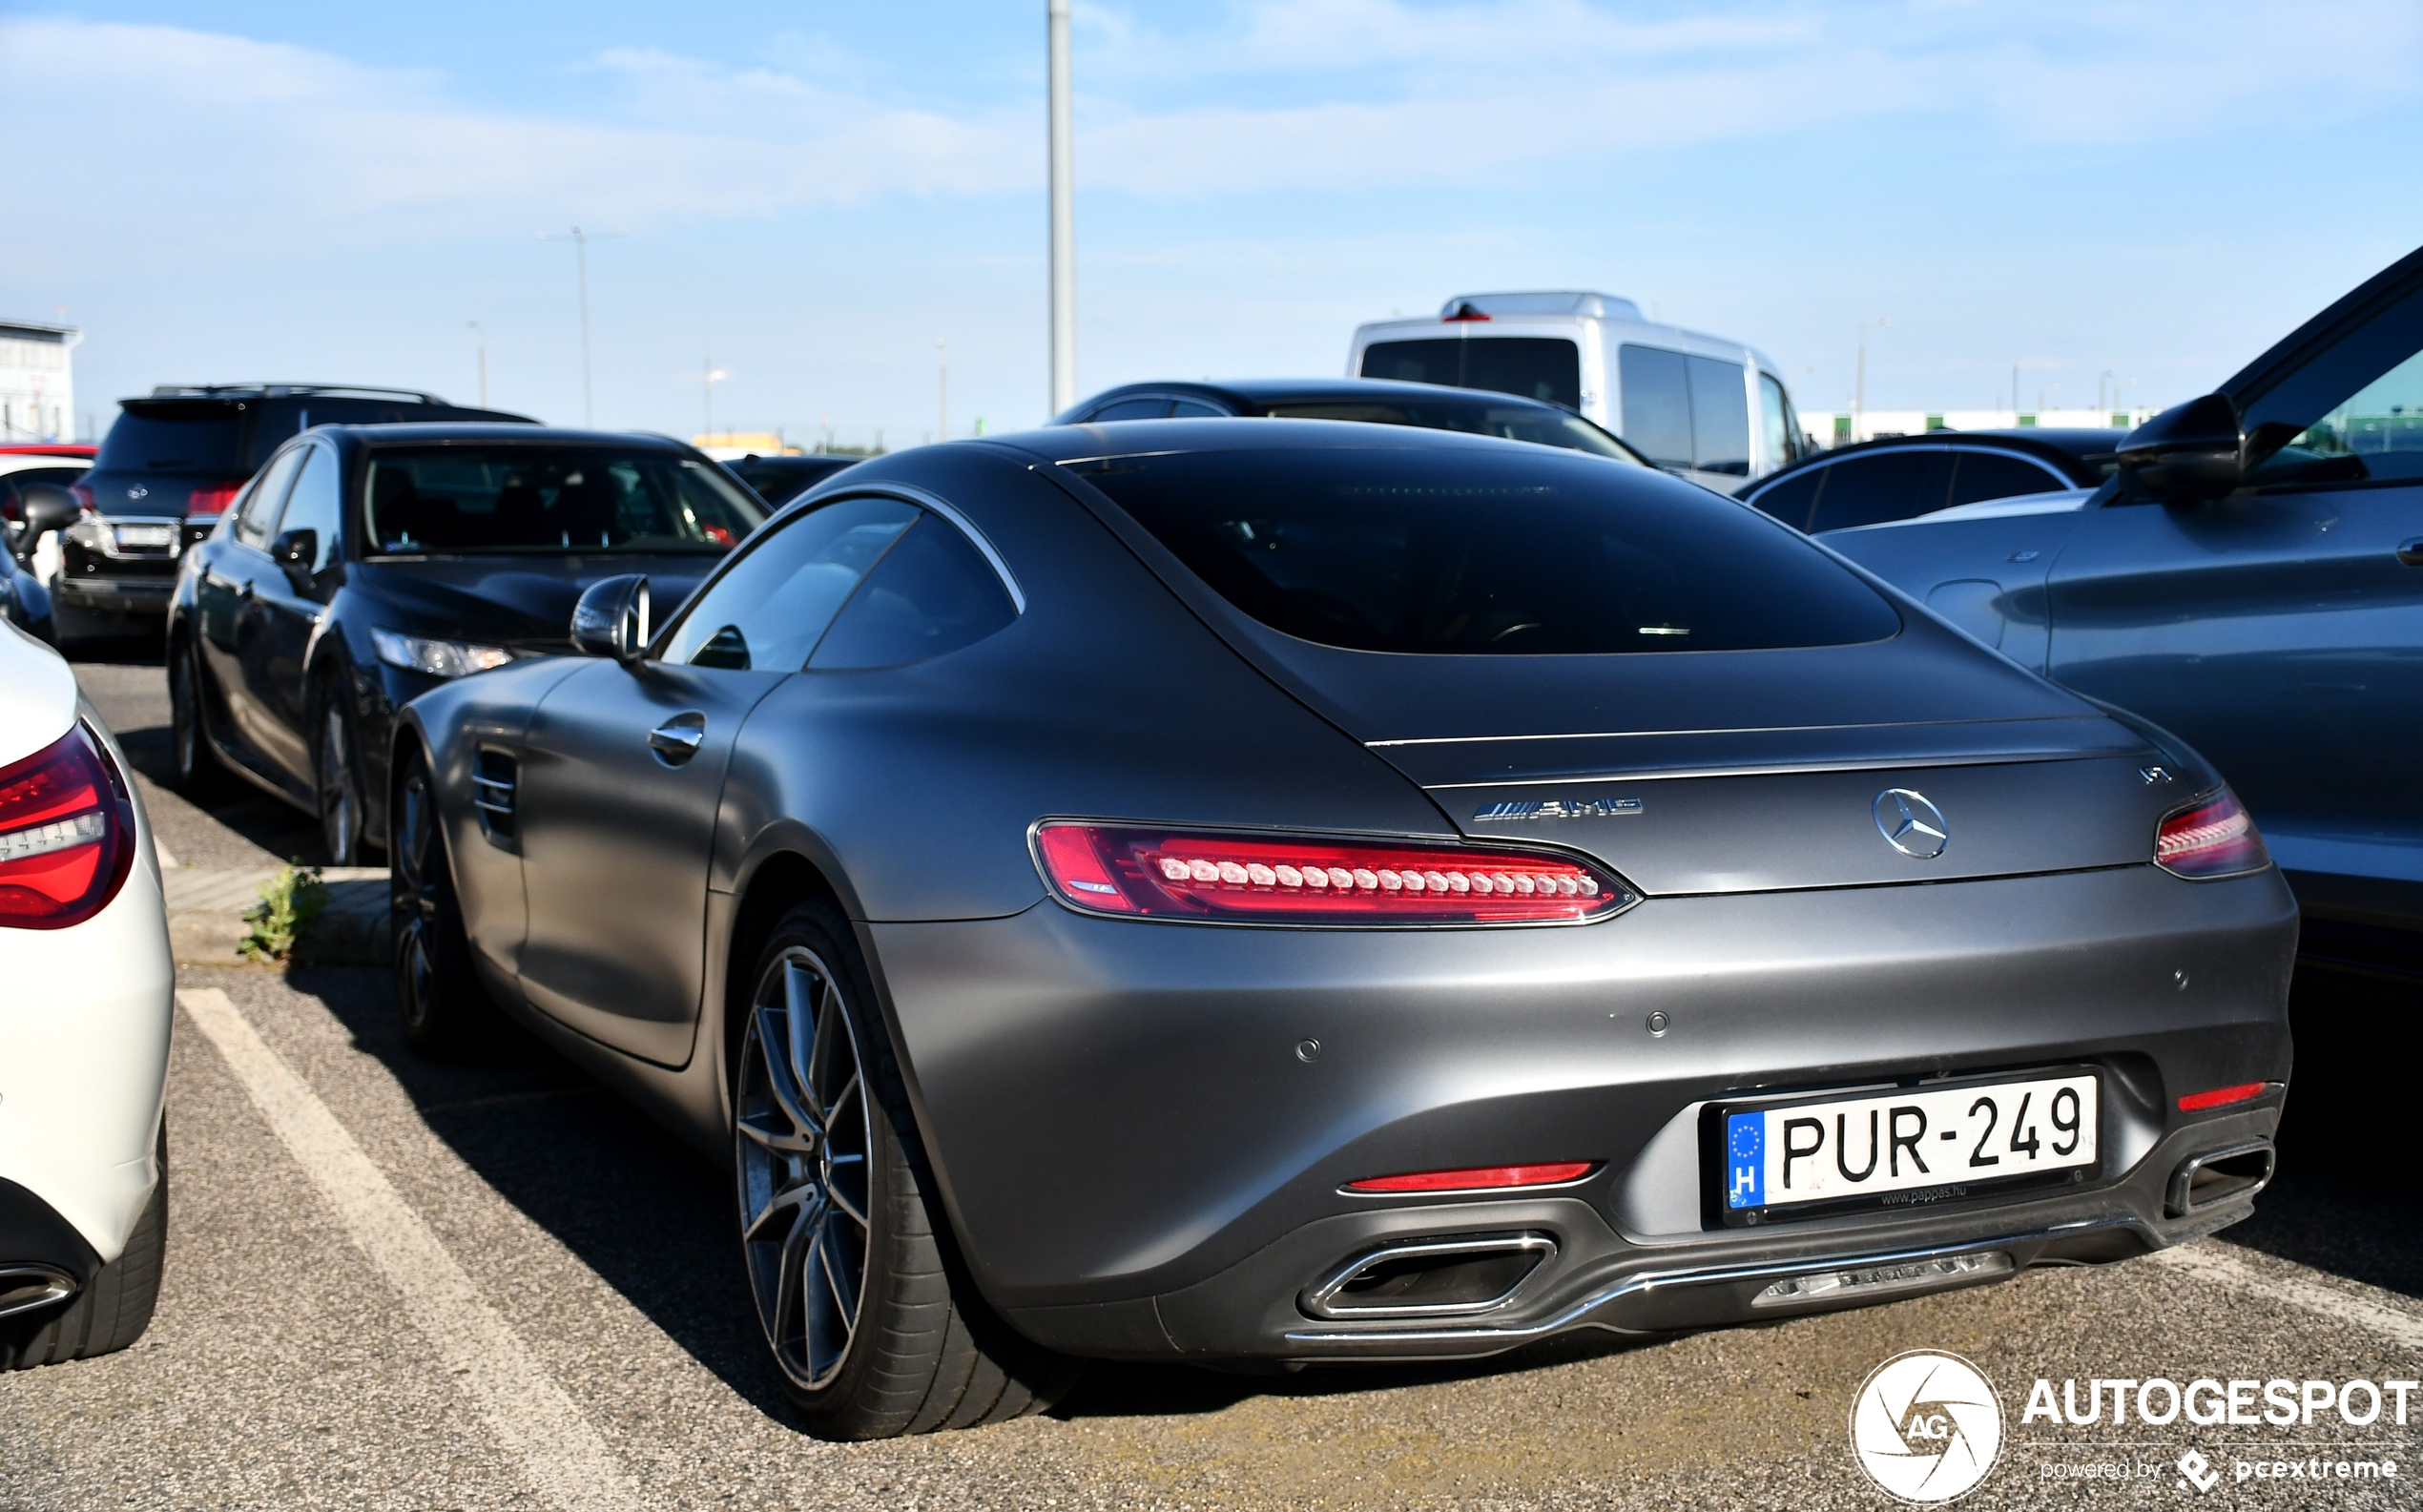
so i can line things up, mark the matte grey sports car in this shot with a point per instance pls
(1275, 891)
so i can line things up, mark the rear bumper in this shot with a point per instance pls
(104, 594)
(1140, 1160)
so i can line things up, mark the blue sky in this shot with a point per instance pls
(813, 193)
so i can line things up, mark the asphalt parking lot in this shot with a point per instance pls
(392, 1283)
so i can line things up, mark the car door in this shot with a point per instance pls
(2280, 630)
(224, 592)
(287, 602)
(621, 775)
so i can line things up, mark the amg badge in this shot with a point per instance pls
(1561, 809)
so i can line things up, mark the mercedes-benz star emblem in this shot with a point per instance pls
(1911, 824)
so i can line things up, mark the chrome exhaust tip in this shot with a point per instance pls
(1430, 1277)
(23, 1288)
(2220, 1176)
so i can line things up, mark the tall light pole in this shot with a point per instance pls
(484, 360)
(1859, 380)
(1064, 217)
(580, 240)
(943, 372)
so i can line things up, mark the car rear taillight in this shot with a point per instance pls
(2213, 838)
(2221, 1096)
(1153, 873)
(1480, 1178)
(66, 834)
(211, 499)
(83, 493)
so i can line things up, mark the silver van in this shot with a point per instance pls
(1712, 410)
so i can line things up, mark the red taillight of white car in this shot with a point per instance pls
(1154, 873)
(2215, 838)
(66, 835)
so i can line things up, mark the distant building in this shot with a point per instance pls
(1840, 429)
(37, 388)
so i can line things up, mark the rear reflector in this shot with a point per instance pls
(2221, 1096)
(1206, 875)
(1479, 1178)
(66, 835)
(2215, 838)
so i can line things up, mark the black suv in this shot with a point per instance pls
(174, 461)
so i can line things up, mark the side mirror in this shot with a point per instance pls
(612, 618)
(2189, 452)
(47, 507)
(293, 551)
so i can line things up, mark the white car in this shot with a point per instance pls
(86, 983)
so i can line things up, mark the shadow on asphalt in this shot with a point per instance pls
(2339, 1204)
(656, 1221)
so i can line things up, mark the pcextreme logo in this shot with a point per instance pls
(1926, 1427)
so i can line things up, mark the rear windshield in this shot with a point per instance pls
(1543, 368)
(197, 438)
(1454, 552)
(1546, 427)
(468, 499)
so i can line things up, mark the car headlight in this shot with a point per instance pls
(438, 658)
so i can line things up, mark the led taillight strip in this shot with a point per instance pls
(2215, 838)
(1142, 871)
(1479, 1178)
(67, 827)
(2221, 1096)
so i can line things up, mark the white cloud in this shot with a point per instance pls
(235, 146)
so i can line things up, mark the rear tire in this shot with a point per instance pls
(113, 1312)
(194, 765)
(863, 1298)
(337, 772)
(445, 1012)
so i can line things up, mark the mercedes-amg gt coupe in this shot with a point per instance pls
(1259, 892)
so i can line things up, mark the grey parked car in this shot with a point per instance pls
(1221, 890)
(2253, 581)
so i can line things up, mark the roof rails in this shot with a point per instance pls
(1557, 302)
(289, 390)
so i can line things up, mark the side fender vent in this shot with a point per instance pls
(493, 780)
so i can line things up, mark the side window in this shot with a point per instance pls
(1151, 408)
(932, 592)
(2375, 432)
(260, 507)
(1777, 426)
(1189, 409)
(1887, 485)
(1792, 500)
(771, 606)
(1977, 476)
(1432, 362)
(314, 506)
(1720, 417)
(1656, 385)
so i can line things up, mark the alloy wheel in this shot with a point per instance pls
(412, 894)
(803, 1139)
(184, 717)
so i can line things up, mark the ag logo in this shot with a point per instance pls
(1926, 1426)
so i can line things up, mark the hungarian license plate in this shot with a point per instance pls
(1911, 1146)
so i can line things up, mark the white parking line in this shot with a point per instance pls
(562, 1456)
(2206, 1262)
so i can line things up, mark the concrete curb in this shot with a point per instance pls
(206, 915)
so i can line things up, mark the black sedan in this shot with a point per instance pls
(1901, 477)
(780, 479)
(1224, 890)
(1363, 401)
(366, 564)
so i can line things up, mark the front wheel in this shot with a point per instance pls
(862, 1298)
(445, 1011)
(194, 765)
(337, 776)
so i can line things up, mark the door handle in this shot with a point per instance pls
(678, 738)
(2411, 553)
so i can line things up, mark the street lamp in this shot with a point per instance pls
(1860, 379)
(483, 340)
(580, 240)
(1063, 214)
